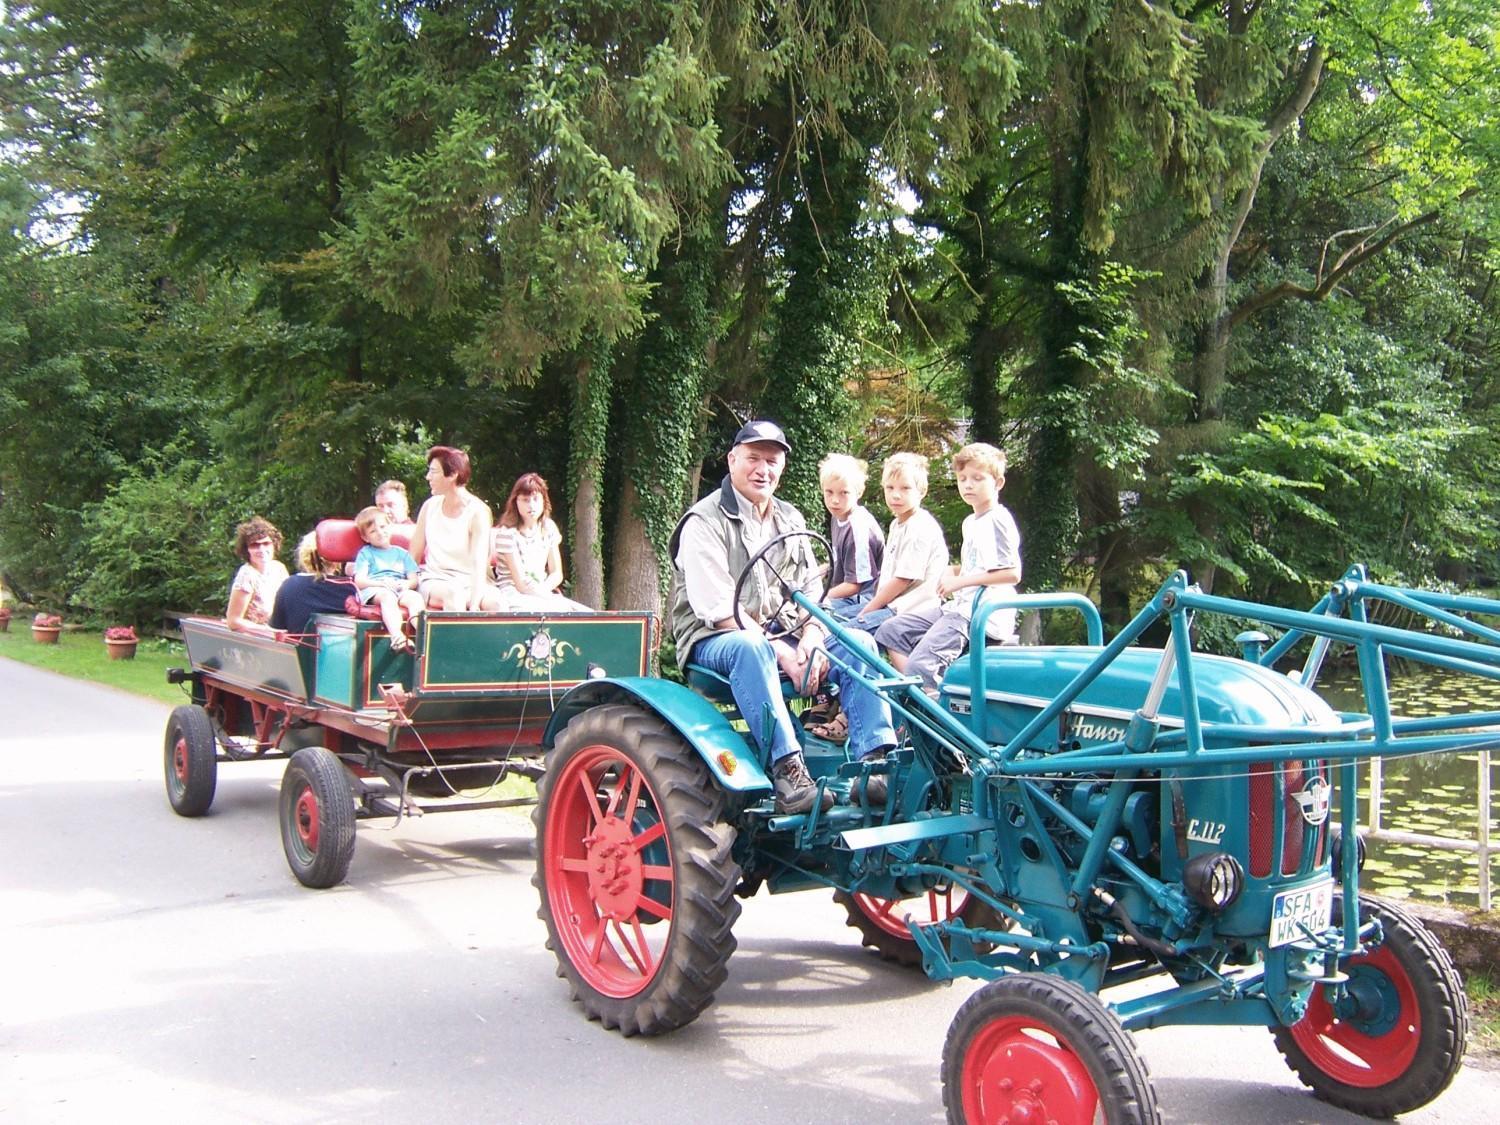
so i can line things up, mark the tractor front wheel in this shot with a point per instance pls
(317, 818)
(191, 760)
(1392, 1038)
(881, 922)
(1032, 1047)
(635, 871)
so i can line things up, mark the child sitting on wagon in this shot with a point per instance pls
(386, 575)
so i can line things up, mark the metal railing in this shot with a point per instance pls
(1480, 844)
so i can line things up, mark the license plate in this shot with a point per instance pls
(1306, 908)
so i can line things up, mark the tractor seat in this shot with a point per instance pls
(715, 687)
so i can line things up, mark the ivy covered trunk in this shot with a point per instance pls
(816, 347)
(656, 411)
(592, 379)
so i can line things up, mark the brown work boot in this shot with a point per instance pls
(795, 789)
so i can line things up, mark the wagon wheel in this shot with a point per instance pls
(1032, 1047)
(881, 922)
(317, 817)
(761, 559)
(1393, 1038)
(601, 875)
(191, 760)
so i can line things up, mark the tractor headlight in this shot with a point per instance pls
(1214, 880)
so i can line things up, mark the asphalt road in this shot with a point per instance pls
(173, 968)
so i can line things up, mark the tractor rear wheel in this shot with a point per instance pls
(1033, 1047)
(1393, 1038)
(881, 922)
(317, 818)
(191, 760)
(635, 871)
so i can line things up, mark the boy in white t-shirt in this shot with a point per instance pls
(916, 553)
(926, 642)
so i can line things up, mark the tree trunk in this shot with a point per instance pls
(634, 581)
(590, 426)
(815, 348)
(658, 408)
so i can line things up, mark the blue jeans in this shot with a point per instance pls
(870, 621)
(845, 608)
(749, 664)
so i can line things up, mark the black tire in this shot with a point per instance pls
(317, 818)
(599, 875)
(1034, 1047)
(1396, 1038)
(882, 928)
(191, 760)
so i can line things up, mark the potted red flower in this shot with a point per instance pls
(4, 618)
(120, 642)
(45, 628)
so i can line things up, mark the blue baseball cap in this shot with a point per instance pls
(760, 429)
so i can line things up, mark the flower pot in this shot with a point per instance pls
(120, 650)
(4, 624)
(45, 634)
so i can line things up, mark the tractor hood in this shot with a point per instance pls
(1230, 690)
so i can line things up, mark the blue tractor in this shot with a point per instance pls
(1063, 820)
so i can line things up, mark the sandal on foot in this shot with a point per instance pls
(835, 730)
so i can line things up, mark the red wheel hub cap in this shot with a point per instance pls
(306, 814)
(1020, 1071)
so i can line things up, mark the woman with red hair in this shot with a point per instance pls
(452, 537)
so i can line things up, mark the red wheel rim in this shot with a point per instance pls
(936, 905)
(180, 761)
(306, 818)
(1366, 1050)
(1017, 1069)
(597, 872)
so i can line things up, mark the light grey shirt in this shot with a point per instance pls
(705, 569)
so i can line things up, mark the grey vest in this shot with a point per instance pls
(721, 509)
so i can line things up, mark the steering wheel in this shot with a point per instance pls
(760, 558)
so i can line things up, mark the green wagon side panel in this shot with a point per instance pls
(354, 658)
(529, 653)
(248, 660)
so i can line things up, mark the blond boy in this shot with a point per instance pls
(858, 543)
(925, 642)
(386, 575)
(916, 553)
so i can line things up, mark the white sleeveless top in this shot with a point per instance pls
(448, 553)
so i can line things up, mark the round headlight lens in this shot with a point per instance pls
(1214, 880)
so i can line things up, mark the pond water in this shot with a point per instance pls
(1434, 794)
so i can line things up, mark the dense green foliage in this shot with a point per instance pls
(1220, 277)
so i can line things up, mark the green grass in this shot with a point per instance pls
(81, 655)
(1484, 1014)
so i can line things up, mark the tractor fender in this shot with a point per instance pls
(729, 755)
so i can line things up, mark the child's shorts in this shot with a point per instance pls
(367, 595)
